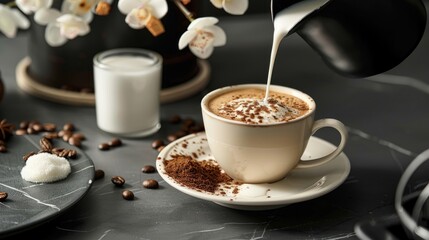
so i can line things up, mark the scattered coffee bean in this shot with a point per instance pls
(51, 135)
(45, 144)
(23, 124)
(49, 127)
(103, 146)
(148, 169)
(57, 151)
(67, 135)
(116, 142)
(37, 127)
(99, 174)
(26, 156)
(79, 136)
(3, 149)
(2, 143)
(68, 127)
(30, 130)
(75, 141)
(157, 143)
(72, 154)
(150, 183)
(118, 180)
(21, 132)
(175, 119)
(160, 148)
(172, 137)
(3, 196)
(128, 195)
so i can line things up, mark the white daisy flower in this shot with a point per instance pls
(202, 36)
(139, 11)
(11, 20)
(31, 6)
(236, 7)
(61, 27)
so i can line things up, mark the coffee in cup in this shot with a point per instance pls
(260, 140)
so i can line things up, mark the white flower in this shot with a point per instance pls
(139, 11)
(11, 20)
(61, 27)
(31, 6)
(202, 36)
(236, 7)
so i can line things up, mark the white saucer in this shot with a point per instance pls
(298, 186)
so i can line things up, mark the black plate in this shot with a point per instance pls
(30, 204)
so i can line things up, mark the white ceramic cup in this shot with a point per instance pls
(265, 153)
(127, 90)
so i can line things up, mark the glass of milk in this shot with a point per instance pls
(127, 89)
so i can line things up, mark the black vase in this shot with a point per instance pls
(361, 38)
(70, 66)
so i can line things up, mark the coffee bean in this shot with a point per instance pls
(172, 137)
(157, 143)
(148, 169)
(160, 148)
(99, 174)
(49, 127)
(175, 119)
(57, 151)
(180, 134)
(51, 135)
(68, 127)
(75, 141)
(103, 146)
(3, 149)
(2, 143)
(37, 127)
(26, 156)
(45, 144)
(150, 183)
(116, 142)
(23, 124)
(72, 154)
(79, 136)
(118, 180)
(30, 130)
(67, 135)
(128, 195)
(3, 196)
(21, 132)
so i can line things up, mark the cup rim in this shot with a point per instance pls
(294, 92)
(97, 59)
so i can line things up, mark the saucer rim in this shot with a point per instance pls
(247, 202)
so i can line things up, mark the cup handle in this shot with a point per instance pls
(328, 122)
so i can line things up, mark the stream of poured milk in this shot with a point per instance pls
(284, 21)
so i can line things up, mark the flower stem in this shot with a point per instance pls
(11, 4)
(185, 11)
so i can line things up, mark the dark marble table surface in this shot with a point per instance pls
(387, 117)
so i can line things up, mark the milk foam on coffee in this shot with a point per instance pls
(249, 106)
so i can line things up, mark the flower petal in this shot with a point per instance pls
(217, 3)
(7, 24)
(25, 6)
(202, 53)
(186, 38)
(45, 16)
(219, 35)
(134, 21)
(20, 20)
(53, 36)
(236, 7)
(202, 22)
(126, 6)
(159, 8)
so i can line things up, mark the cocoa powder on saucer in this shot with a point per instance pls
(201, 175)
